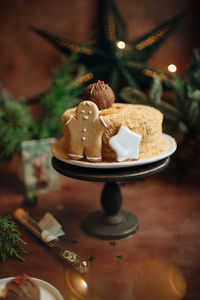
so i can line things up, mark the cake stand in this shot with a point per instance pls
(111, 222)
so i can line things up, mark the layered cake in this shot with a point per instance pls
(20, 288)
(100, 130)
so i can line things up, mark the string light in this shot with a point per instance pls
(172, 68)
(121, 45)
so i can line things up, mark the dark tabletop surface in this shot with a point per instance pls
(160, 261)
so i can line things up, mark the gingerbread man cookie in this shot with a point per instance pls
(85, 132)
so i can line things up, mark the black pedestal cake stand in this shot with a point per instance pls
(111, 222)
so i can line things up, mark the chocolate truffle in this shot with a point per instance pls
(100, 93)
(21, 288)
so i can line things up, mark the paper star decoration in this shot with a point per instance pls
(125, 144)
(113, 58)
(119, 256)
(91, 258)
(113, 243)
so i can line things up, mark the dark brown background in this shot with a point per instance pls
(26, 59)
(160, 262)
(167, 206)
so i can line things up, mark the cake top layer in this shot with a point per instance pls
(119, 112)
(141, 119)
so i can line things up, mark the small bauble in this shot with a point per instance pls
(100, 93)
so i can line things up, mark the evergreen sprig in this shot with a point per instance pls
(63, 94)
(16, 124)
(16, 121)
(184, 109)
(153, 98)
(10, 240)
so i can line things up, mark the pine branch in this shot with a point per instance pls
(130, 94)
(16, 121)
(10, 240)
(16, 124)
(184, 110)
(155, 92)
(63, 95)
(133, 95)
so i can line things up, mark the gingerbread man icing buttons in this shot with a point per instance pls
(85, 132)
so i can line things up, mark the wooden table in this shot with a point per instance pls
(160, 261)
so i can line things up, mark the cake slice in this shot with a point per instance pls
(21, 288)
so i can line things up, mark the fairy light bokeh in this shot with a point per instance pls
(77, 284)
(172, 68)
(121, 44)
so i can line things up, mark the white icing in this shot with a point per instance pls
(85, 117)
(75, 155)
(88, 103)
(83, 138)
(94, 158)
(82, 111)
(69, 120)
(103, 122)
(84, 130)
(90, 112)
(125, 144)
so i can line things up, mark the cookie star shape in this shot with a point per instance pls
(125, 144)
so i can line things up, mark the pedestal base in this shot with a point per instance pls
(112, 222)
(124, 224)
